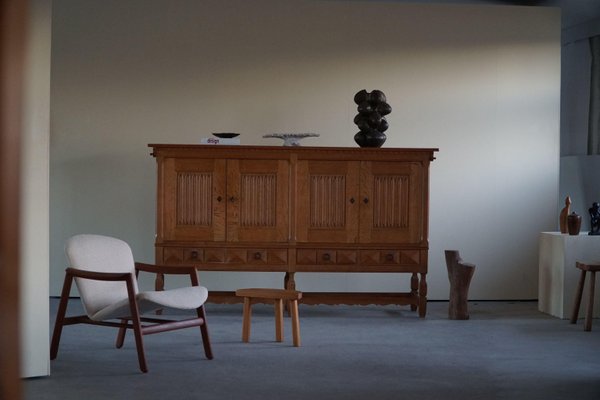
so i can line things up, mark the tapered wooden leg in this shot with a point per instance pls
(279, 320)
(121, 335)
(578, 295)
(246, 320)
(590, 308)
(204, 331)
(295, 322)
(139, 344)
(414, 289)
(423, 296)
(137, 326)
(60, 316)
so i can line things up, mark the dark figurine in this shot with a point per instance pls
(372, 109)
(595, 219)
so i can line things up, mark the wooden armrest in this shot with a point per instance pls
(164, 269)
(99, 276)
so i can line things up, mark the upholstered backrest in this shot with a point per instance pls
(100, 254)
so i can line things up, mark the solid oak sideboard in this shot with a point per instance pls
(296, 209)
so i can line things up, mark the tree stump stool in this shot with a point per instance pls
(459, 274)
(276, 296)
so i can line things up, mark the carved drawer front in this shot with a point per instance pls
(257, 256)
(214, 255)
(379, 257)
(410, 257)
(326, 257)
(193, 255)
(172, 255)
(306, 257)
(277, 256)
(390, 257)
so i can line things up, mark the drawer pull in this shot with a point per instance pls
(326, 257)
(194, 255)
(219, 199)
(257, 255)
(366, 200)
(352, 200)
(389, 257)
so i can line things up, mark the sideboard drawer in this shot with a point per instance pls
(390, 257)
(194, 255)
(257, 256)
(326, 257)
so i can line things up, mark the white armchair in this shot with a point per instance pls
(106, 276)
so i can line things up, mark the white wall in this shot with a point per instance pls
(482, 83)
(578, 171)
(35, 194)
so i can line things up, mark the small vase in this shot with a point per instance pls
(574, 223)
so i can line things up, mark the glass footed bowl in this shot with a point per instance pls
(291, 139)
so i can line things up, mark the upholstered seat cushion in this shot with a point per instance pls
(186, 298)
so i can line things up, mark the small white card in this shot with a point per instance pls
(214, 140)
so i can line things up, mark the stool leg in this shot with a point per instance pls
(578, 295)
(246, 320)
(279, 320)
(590, 308)
(295, 322)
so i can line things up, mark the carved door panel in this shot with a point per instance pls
(194, 199)
(391, 202)
(257, 200)
(327, 208)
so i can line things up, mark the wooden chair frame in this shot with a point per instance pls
(134, 321)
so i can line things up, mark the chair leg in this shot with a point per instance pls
(121, 335)
(139, 344)
(137, 326)
(60, 316)
(279, 320)
(295, 322)
(204, 331)
(578, 295)
(246, 320)
(590, 308)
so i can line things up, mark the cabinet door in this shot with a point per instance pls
(258, 200)
(391, 202)
(193, 196)
(327, 206)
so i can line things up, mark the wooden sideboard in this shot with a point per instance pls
(296, 209)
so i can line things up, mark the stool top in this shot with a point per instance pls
(588, 265)
(265, 293)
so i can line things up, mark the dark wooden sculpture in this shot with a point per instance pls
(459, 274)
(372, 109)
(594, 219)
(564, 214)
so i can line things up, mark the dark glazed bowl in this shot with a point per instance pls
(226, 135)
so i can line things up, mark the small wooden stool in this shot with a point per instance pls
(277, 296)
(585, 267)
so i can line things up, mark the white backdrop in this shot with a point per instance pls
(482, 83)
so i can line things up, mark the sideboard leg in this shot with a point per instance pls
(289, 284)
(414, 289)
(159, 282)
(288, 281)
(423, 296)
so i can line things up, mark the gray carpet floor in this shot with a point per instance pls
(507, 350)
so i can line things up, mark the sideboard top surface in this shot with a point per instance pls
(302, 152)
